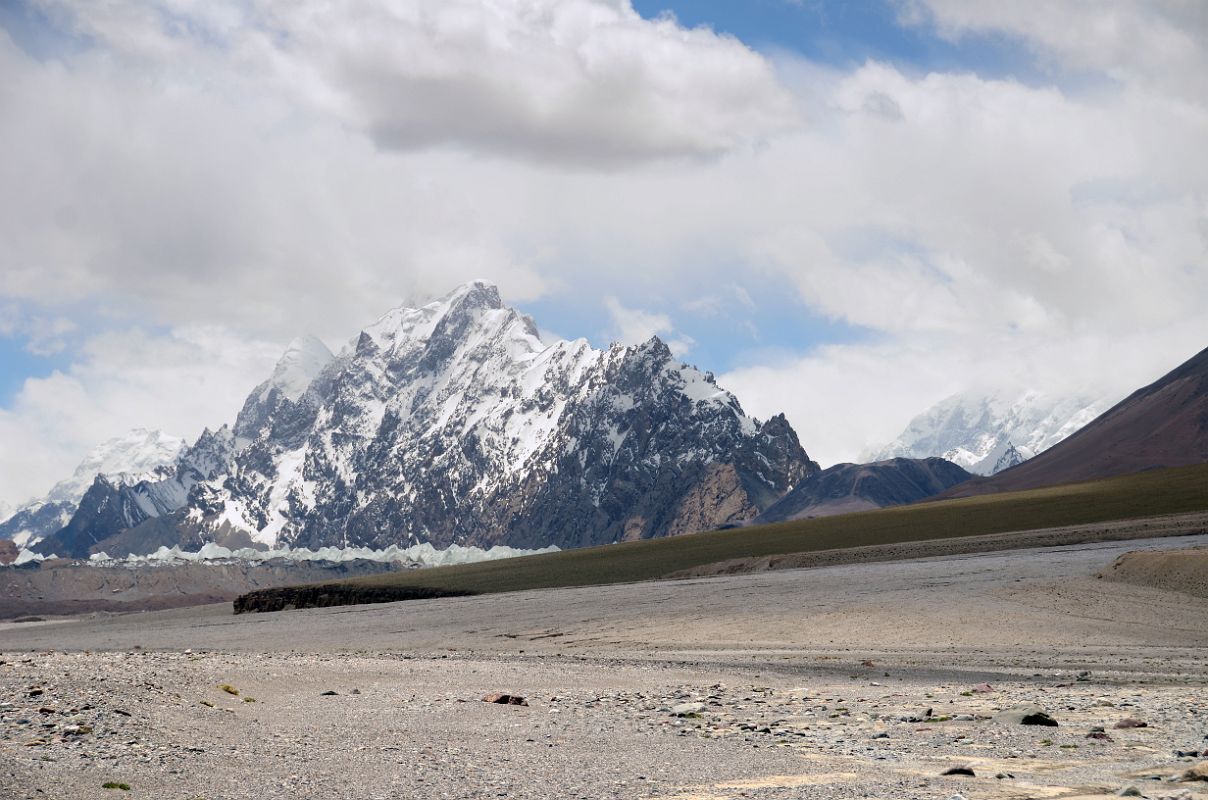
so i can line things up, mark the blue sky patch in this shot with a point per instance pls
(846, 34)
(18, 364)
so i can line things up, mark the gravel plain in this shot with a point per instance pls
(866, 680)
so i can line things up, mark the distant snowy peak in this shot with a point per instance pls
(989, 431)
(302, 362)
(138, 455)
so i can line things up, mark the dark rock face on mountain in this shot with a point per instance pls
(137, 456)
(37, 520)
(8, 552)
(454, 424)
(111, 506)
(1164, 424)
(844, 488)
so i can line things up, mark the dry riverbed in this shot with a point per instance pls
(856, 681)
(210, 725)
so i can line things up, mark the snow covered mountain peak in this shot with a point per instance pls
(405, 325)
(303, 360)
(453, 423)
(140, 455)
(128, 458)
(989, 430)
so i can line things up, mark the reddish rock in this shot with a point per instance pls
(1129, 722)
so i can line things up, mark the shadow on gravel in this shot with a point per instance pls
(324, 595)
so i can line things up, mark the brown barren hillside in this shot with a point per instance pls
(1164, 424)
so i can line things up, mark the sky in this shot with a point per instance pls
(847, 211)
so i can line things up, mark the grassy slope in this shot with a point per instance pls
(1168, 491)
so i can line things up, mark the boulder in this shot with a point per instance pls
(1027, 715)
(505, 699)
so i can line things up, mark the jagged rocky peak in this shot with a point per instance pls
(405, 326)
(1010, 457)
(303, 360)
(453, 423)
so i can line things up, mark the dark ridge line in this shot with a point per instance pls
(287, 598)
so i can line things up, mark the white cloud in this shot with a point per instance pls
(634, 326)
(577, 81)
(1155, 43)
(268, 172)
(178, 383)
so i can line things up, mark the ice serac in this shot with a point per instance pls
(989, 431)
(453, 423)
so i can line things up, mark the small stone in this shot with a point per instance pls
(1129, 722)
(983, 688)
(1100, 735)
(328, 693)
(1129, 791)
(684, 709)
(881, 735)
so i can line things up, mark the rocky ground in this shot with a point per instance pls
(630, 696)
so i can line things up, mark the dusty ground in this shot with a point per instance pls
(72, 587)
(1179, 570)
(798, 683)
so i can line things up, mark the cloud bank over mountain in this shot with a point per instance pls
(198, 184)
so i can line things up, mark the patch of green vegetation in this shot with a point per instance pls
(226, 687)
(207, 704)
(249, 699)
(1069, 747)
(966, 694)
(1046, 742)
(125, 787)
(1146, 494)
